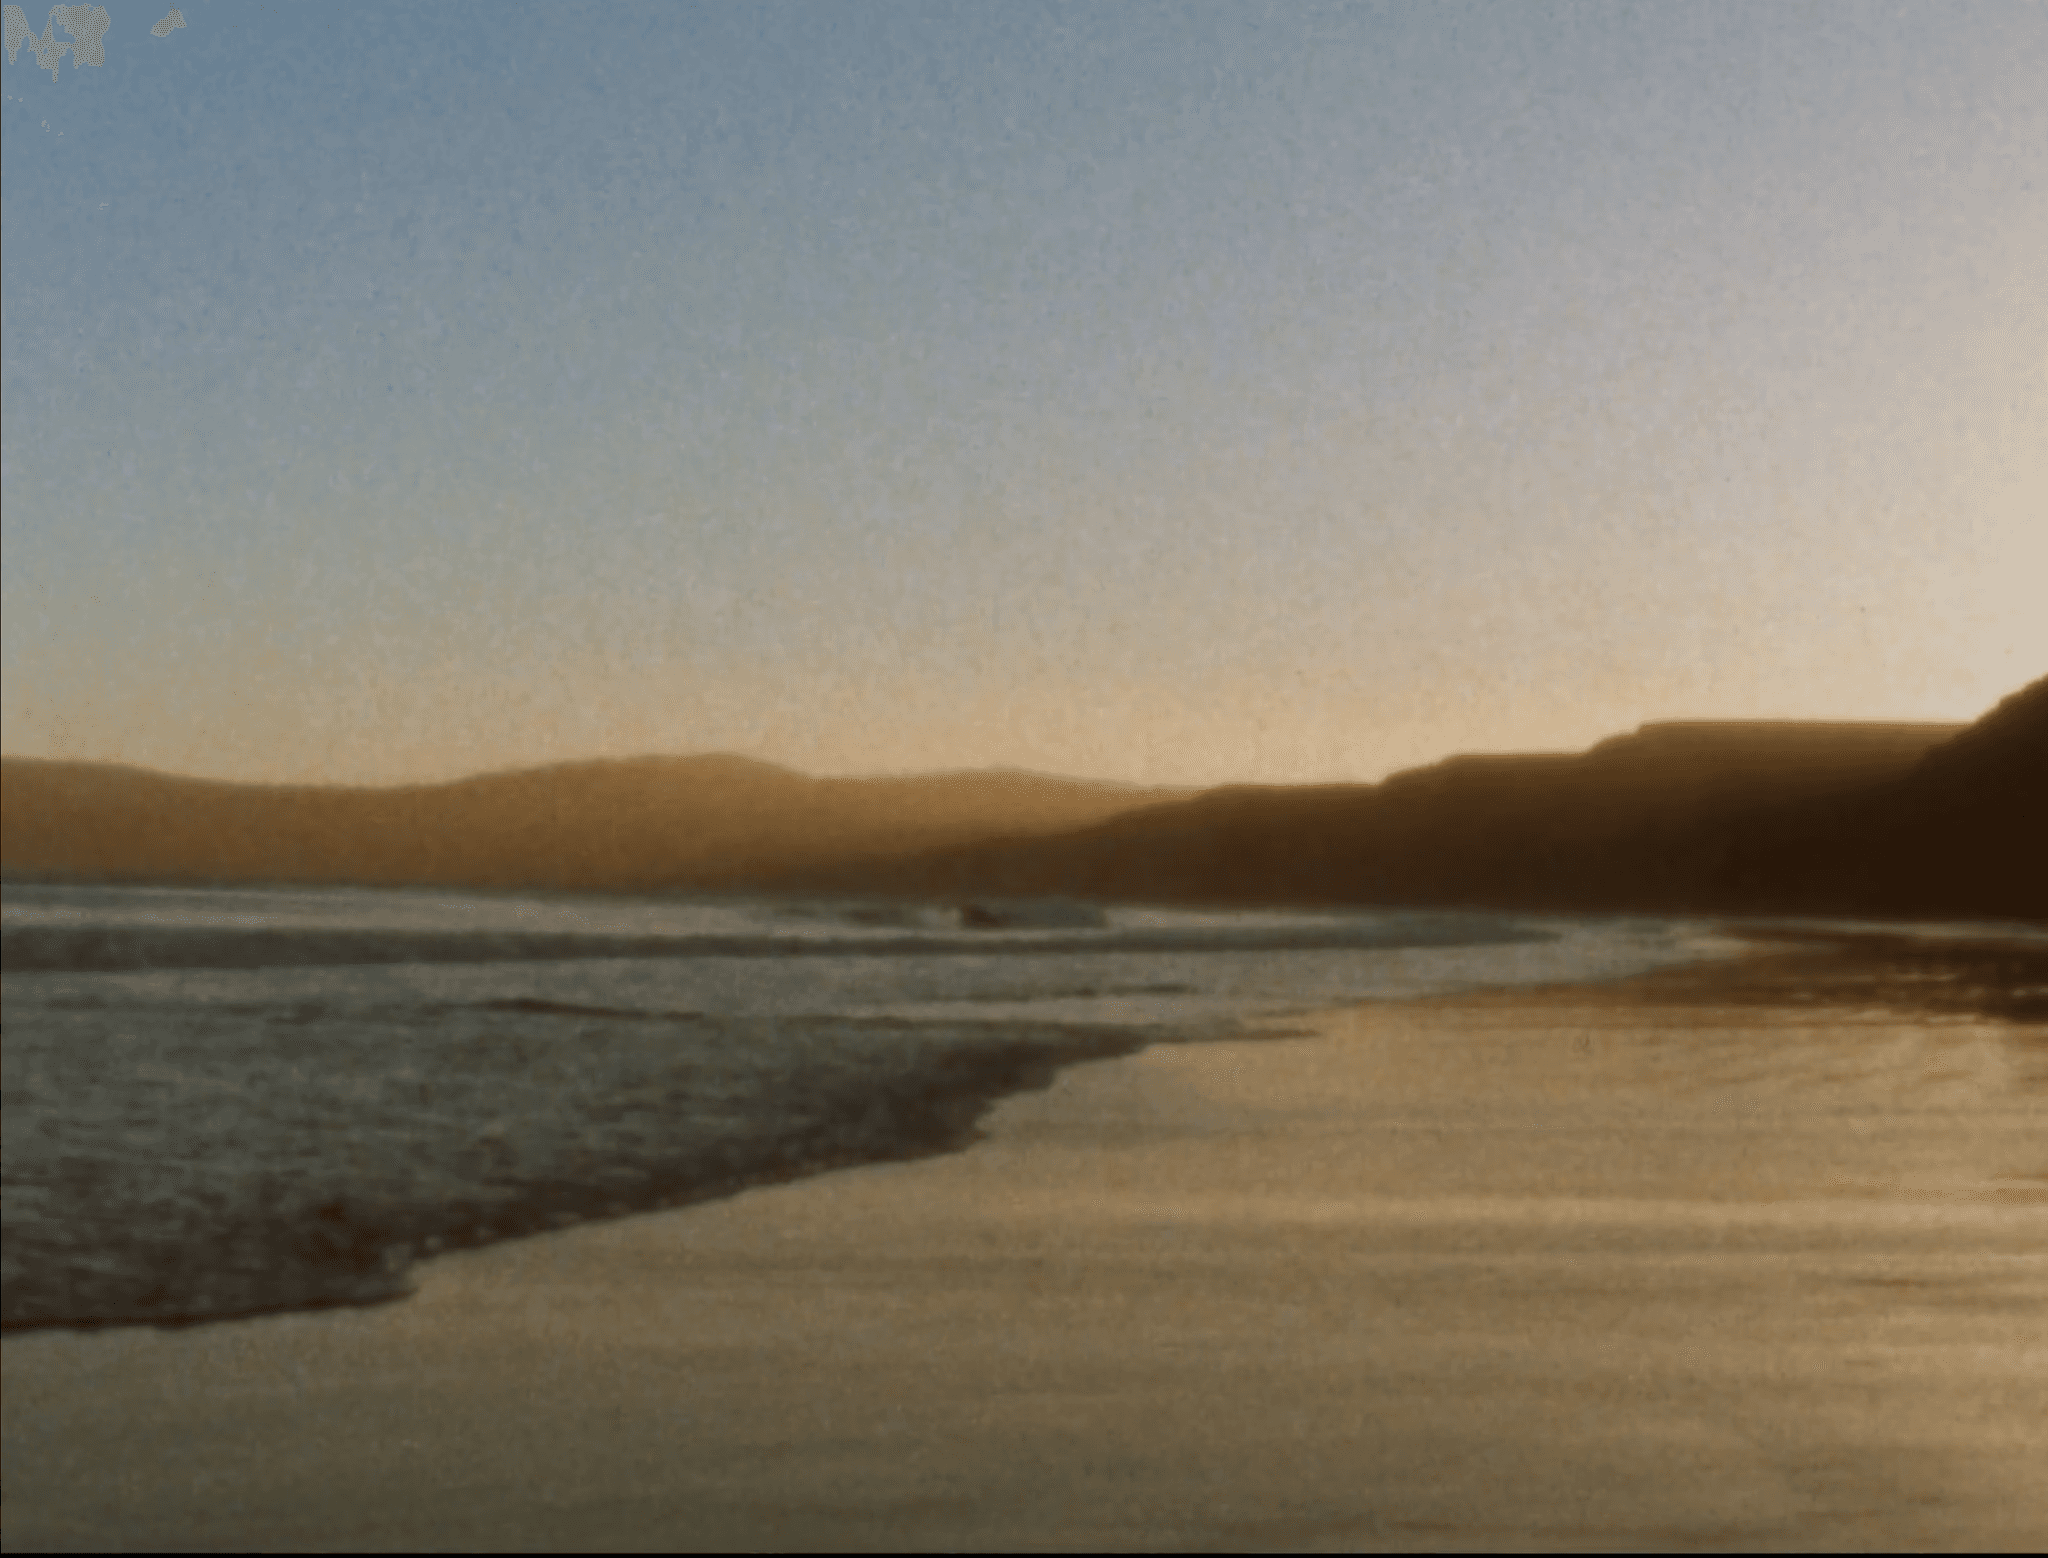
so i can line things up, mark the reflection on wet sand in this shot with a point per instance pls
(1633, 1265)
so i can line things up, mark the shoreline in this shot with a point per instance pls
(1676, 1261)
(919, 1088)
(358, 1256)
(1921, 973)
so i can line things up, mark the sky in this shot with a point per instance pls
(1173, 394)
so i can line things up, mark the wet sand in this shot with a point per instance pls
(1705, 1260)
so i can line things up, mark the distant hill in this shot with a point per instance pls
(1963, 833)
(1766, 817)
(1759, 817)
(641, 823)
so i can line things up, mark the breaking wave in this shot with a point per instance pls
(223, 1102)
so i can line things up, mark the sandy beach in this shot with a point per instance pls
(1618, 1267)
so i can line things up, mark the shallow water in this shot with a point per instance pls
(220, 1101)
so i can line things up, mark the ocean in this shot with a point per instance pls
(226, 1101)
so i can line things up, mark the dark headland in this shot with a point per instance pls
(1877, 820)
(1890, 821)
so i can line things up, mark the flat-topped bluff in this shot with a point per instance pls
(1763, 817)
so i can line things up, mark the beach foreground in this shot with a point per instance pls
(1627, 1266)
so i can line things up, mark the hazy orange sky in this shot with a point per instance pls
(1183, 394)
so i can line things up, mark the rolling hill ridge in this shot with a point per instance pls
(1764, 817)
(1730, 817)
(633, 824)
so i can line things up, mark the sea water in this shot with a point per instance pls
(223, 1101)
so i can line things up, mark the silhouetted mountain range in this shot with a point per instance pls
(643, 823)
(1757, 817)
(1762, 817)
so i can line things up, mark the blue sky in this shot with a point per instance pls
(1168, 393)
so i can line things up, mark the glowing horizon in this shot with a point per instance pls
(1169, 398)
